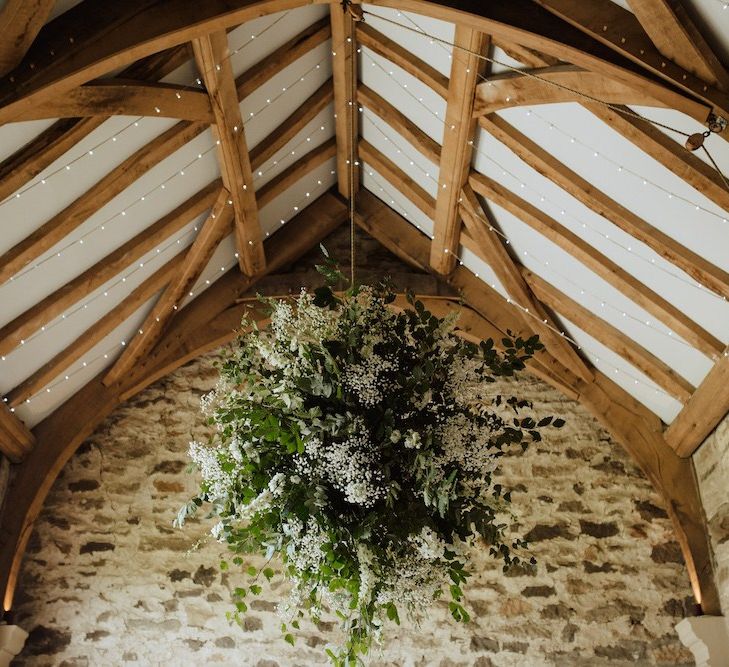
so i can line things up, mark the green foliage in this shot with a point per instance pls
(360, 446)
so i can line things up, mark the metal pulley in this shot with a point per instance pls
(696, 141)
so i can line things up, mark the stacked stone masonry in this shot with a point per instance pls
(712, 469)
(108, 581)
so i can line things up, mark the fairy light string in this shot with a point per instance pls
(562, 211)
(161, 185)
(526, 73)
(194, 85)
(563, 334)
(200, 285)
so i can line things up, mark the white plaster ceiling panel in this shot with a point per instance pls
(45, 403)
(88, 161)
(712, 19)
(253, 41)
(60, 332)
(298, 197)
(273, 102)
(435, 53)
(416, 100)
(400, 151)
(704, 306)
(577, 281)
(13, 136)
(313, 134)
(551, 126)
(626, 376)
(504, 62)
(75, 256)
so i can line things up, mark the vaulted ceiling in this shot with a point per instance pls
(158, 157)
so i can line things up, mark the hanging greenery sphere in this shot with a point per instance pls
(359, 445)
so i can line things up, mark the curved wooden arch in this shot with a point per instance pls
(126, 32)
(552, 85)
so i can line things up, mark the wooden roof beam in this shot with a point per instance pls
(556, 84)
(546, 164)
(344, 74)
(135, 29)
(608, 270)
(703, 412)
(264, 150)
(378, 105)
(618, 29)
(648, 138)
(27, 162)
(390, 50)
(20, 22)
(507, 271)
(100, 194)
(295, 172)
(16, 440)
(215, 228)
(676, 36)
(211, 56)
(286, 54)
(459, 129)
(126, 97)
(40, 314)
(646, 362)
(632, 425)
(95, 333)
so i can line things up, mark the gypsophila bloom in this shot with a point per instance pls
(359, 446)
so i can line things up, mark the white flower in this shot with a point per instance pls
(395, 436)
(413, 440)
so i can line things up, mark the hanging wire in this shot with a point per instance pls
(521, 72)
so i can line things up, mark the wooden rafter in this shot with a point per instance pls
(383, 46)
(20, 21)
(16, 440)
(703, 412)
(608, 270)
(554, 85)
(507, 271)
(671, 154)
(657, 370)
(631, 424)
(673, 32)
(26, 163)
(292, 125)
(295, 172)
(378, 105)
(286, 54)
(215, 228)
(27, 323)
(95, 333)
(344, 75)
(207, 322)
(147, 30)
(119, 97)
(618, 29)
(546, 164)
(455, 157)
(393, 174)
(648, 138)
(100, 194)
(211, 55)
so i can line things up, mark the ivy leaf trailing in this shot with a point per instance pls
(359, 446)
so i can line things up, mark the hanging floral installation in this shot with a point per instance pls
(360, 446)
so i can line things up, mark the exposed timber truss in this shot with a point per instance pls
(86, 68)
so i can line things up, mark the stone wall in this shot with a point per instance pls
(108, 581)
(712, 469)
